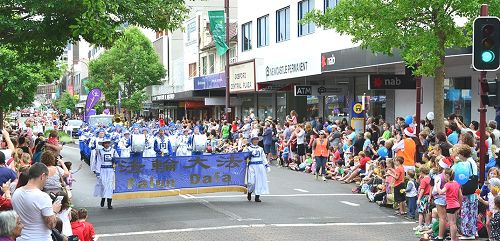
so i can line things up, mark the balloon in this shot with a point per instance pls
(430, 116)
(382, 152)
(408, 119)
(462, 173)
(329, 128)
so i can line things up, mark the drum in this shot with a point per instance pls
(138, 143)
(199, 143)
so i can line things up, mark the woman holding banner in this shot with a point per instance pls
(257, 177)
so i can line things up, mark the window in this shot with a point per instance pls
(204, 65)
(305, 6)
(211, 63)
(263, 31)
(283, 24)
(246, 36)
(192, 70)
(222, 63)
(331, 3)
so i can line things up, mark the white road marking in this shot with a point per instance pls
(185, 196)
(282, 195)
(250, 226)
(350, 203)
(316, 218)
(300, 190)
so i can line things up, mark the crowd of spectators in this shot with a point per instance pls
(35, 195)
(395, 167)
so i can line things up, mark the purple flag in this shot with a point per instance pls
(92, 98)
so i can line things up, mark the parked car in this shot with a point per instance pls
(72, 126)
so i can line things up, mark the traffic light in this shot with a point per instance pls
(491, 93)
(486, 44)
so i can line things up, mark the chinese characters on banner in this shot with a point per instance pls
(169, 173)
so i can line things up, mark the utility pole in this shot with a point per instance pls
(482, 116)
(227, 110)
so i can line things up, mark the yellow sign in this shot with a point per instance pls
(357, 108)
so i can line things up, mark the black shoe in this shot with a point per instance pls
(102, 202)
(249, 196)
(109, 203)
(257, 199)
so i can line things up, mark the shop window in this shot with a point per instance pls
(265, 106)
(305, 6)
(283, 24)
(336, 107)
(281, 107)
(246, 36)
(263, 31)
(457, 97)
(312, 107)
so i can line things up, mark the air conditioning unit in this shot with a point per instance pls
(233, 60)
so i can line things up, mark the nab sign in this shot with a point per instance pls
(303, 90)
(391, 82)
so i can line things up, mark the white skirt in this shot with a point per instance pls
(257, 179)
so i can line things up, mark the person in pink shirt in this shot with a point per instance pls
(453, 201)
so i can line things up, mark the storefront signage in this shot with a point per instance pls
(303, 90)
(210, 81)
(273, 87)
(318, 90)
(358, 117)
(242, 77)
(277, 69)
(391, 82)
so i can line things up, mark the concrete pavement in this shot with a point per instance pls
(298, 208)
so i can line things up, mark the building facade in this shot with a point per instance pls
(290, 56)
(195, 80)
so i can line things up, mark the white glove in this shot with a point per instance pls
(268, 169)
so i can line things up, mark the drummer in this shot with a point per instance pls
(95, 145)
(198, 141)
(162, 145)
(124, 144)
(137, 144)
(149, 144)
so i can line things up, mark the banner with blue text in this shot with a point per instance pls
(172, 173)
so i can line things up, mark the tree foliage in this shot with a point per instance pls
(19, 79)
(131, 62)
(45, 27)
(422, 30)
(67, 101)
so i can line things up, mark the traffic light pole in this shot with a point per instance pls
(483, 155)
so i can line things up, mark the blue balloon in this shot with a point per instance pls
(382, 152)
(329, 128)
(408, 119)
(462, 173)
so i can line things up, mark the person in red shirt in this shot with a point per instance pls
(77, 227)
(453, 201)
(399, 184)
(88, 227)
(360, 168)
(423, 199)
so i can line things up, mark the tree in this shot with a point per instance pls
(131, 62)
(46, 27)
(19, 79)
(422, 30)
(67, 101)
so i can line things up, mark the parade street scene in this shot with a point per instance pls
(156, 120)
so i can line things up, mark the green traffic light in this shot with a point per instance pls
(487, 56)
